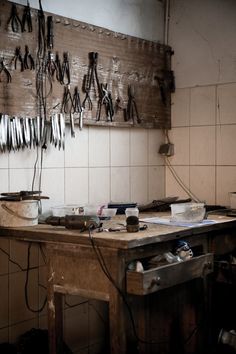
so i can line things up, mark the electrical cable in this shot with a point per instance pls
(120, 292)
(175, 175)
(180, 182)
(26, 286)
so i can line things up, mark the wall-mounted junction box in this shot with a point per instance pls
(166, 149)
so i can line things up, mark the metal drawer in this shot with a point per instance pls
(155, 279)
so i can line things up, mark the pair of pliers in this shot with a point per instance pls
(105, 99)
(4, 70)
(28, 60)
(26, 19)
(18, 57)
(132, 110)
(14, 20)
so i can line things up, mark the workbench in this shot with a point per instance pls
(96, 266)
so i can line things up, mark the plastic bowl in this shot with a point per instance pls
(188, 212)
(109, 212)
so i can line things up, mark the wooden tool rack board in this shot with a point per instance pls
(122, 60)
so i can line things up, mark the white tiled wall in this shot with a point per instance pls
(98, 166)
(204, 104)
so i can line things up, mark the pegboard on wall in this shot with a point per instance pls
(123, 61)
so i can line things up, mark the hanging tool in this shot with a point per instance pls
(28, 60)
(41, 32)
(132, 110)
(77, 106)
(50, 66)
(4, 70)
(14, 20)
(26, 19)
(105, 100)
(65, 69)
(50, 32)
(90, 79)
(18, 58)
(68, 107)
(58, 69)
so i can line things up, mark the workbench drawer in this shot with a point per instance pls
(158, 278)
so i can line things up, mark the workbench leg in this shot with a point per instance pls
(117, 322)
(55, 320)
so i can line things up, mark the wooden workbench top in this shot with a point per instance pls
(121, 239)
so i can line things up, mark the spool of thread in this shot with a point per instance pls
(132, 224)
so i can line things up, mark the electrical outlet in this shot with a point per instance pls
(166, 149)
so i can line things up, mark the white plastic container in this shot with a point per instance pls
(232, 200)
(18, 213)
(187, 212)
(131, 212)
(62, 210)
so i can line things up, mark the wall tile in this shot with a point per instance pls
(4, 265)
(21, 179)
(76, 327)
(138, 147)
(173, 189)
(76, 149)
(23, 158)
(155, 139)
(226, 145)
(156, 183)
(99, 185)
(99, 153)
(226, 102)
(4, 159)
(4, 186)
(4, 294)
(202, 183)
(17, 306)
(18, 253)
(180, 138)
(120, 147)
(53, 157)
(180, 108)
(139, 184)
(53, 187)
(203, 105)
(76, 185)
(226, 182)
(202, 145)
(120, 184)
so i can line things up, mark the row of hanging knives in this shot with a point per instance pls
(19, 133)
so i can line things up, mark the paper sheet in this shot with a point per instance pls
(169, 222)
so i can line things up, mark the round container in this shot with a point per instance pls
(18, 213)
(131, 212)
(188, 212)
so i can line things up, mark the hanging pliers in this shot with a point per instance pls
(5, 71)
(14, 20)
(26, 19)
(18, 58)
(28, 60)
(132, 110)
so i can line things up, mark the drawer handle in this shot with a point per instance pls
(155, 281)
